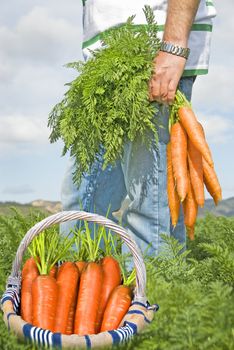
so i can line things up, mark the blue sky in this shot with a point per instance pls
(36, 39)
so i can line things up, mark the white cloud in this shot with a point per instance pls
(18, 189)
(34, 48)
(7, 71)
(223, 32)
(218, 128)
(214, 92)
(33, 52)
(16, 130)
(40, 38)
(33, 90)
(10, 13)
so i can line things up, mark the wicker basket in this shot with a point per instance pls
(139, 315)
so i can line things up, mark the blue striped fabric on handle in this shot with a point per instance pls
(124, 333)
(42, 337)
(12, 295)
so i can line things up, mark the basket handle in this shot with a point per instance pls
(63, 216)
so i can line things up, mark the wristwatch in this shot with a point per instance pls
(175, 49)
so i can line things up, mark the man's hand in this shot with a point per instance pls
(168, 71)
(169, 68)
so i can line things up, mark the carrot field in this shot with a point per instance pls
(194, 289)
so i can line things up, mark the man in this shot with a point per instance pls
(136, 186)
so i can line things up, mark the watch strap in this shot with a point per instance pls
(175, 49)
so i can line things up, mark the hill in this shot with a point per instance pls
(225, 208)
(48, 207)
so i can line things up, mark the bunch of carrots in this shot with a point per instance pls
(189, 165)
(86, 296)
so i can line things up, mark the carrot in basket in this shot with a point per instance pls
(53, 271)
(196, 173)
(81, 265)
(211, 181)
(51, 248)
(88, 299)
(173, 198)
(179, 159)
(118, 302)
(71, 316)
(70, 325)
(67, 280)
(190, 208)
(111, 279)
(30, 265)
(29, 273)
(44, 294)
(117, 306)
(191, 125)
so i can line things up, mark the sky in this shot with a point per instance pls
(37, 38)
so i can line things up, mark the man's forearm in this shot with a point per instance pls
(168, 67)
(180, 17)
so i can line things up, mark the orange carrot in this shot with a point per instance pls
(190, 232)
(190, 208)
(29, 273)
(71, 316)
(81, 265)
(203, 133)
(179, 159)
(30, 264)
(117, 306)
(196, 173)
(67, 280)
(88, 299)
(173, 198)
(44, 296)
(191, 125)
(53, 271)
(111, 279)
(211, 181)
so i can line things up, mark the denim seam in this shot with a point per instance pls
(98, 172)
(155, 221)
(88, 193)
(92, 183)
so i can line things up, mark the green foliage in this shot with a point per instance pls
(193, 287)
(171, 262)
(212, 229)
(107, 104)
(214, 247)
(12, 230)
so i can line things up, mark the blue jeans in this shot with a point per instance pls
(135, 189)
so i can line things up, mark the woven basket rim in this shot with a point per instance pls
(136, 319)
(15, 277)
(141, 314)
